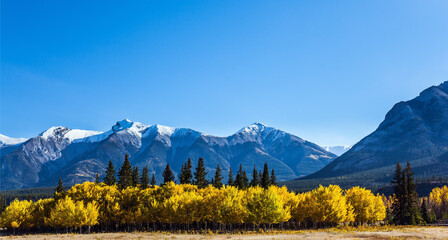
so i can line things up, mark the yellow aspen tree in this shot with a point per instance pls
(301, 207)
(62, 215)
(438, 200)
(17, 215)
(130, 205)
(265, 206)
(380, 209)
(149, 205)
(367, 207)
(330, 205)
(68, 213)
(41, 210)
(233, 207)
(212, 199)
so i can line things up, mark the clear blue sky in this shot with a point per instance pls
(327, 71)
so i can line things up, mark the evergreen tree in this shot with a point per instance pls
(186, 175)
(110, 179)
(97, 178)
(399, 192)
(404, 208)
(273, 178)
(265, 179)
(182, 175)
(217, 180)
(144, 180)
(2, 203)
(230, 182)
(255, 178)
(168, 175)
(59, 189)
(424, 212)
(135, 177)
(153, 180)
(241, 180)
(125, 174)
(412, 211)
(199, 174)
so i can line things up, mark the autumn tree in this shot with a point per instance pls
(367, 207)
(17, 215)
(265, 206)
(67, 213)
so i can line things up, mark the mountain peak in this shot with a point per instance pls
(256, 127)
(53, 131)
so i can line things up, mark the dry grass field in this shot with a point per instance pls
(366, 233)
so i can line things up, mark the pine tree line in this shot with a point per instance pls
(130, 176)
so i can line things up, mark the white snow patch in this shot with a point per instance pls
(76, 134)
(164, 130)
(5, 140)
(338, 150)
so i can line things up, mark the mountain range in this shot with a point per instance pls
(414, 131)
(338, 150)
(77, 155)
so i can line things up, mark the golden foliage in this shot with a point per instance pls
(90, 204)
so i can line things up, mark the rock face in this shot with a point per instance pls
(415, 131)
(77, 155)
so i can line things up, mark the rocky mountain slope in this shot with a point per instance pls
(415, 131)
(77, 155)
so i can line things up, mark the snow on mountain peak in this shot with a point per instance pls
(60, 132)
(338, 150)
(53, 132)
(254, 128)
(5, 140)
(77, 134)
(164, 130)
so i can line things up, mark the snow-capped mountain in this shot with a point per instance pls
(338, 150)
(77, 155)
(415, 131)
(6, 141)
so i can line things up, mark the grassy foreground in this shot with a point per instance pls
(385, 232)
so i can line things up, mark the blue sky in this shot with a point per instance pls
(327, 71)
